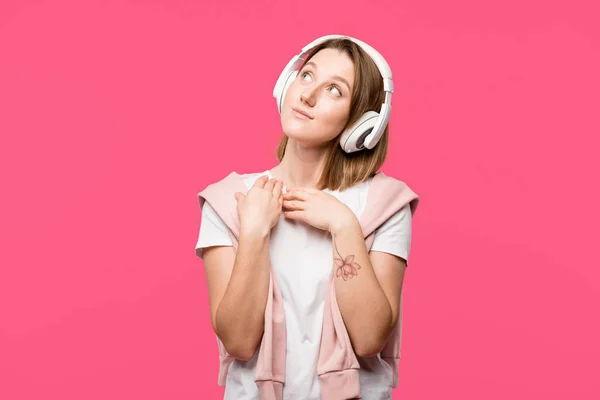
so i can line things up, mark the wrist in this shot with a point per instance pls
(343, 222)
(255, 232)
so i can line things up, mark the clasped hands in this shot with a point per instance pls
(261, 207)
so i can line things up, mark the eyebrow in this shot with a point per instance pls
(336, 77)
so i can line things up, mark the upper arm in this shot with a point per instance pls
(389, 255)
(218, 265)
(215, 247)
(389, 270)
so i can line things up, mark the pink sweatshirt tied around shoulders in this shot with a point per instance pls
(338, 365)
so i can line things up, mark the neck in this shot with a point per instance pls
(301, 165)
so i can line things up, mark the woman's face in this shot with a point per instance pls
(322, 89)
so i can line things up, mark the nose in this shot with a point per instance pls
(308, 97)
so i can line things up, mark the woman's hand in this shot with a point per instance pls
(260, 208)
(317, 208)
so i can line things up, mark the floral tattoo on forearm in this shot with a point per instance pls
(347, 268)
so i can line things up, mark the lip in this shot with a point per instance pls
(301, 113)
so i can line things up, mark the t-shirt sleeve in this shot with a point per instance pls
(394, 235)
(213, 231)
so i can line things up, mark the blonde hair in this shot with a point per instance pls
(343, 170)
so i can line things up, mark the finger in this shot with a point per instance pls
(270, 184)
(294, 205)
(277, 188)
(260, 182)
(298, 215)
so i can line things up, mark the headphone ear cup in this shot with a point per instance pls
(354, 136)
(286, 83)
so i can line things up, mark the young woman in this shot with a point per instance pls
(300, 219)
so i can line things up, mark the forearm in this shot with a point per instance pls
(240, 316)
(365, 309)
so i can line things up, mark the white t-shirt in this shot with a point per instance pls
(301, 256)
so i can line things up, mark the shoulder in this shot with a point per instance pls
(391, 194)
(382, 179)
(357, 188)
(247, 179)
(384, 182)
(250, 178)
(231, 183)
(379, 179)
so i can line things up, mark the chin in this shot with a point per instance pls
(296, 129)
(298, 135)
(306, 140)
(304, 133)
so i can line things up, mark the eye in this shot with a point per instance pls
(303, 74)
(336, 88)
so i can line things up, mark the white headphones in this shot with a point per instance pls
(368, 129)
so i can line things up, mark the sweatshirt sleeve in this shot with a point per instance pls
(213, 231)
(394, 235)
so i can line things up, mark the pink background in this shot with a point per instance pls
(114, 115)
